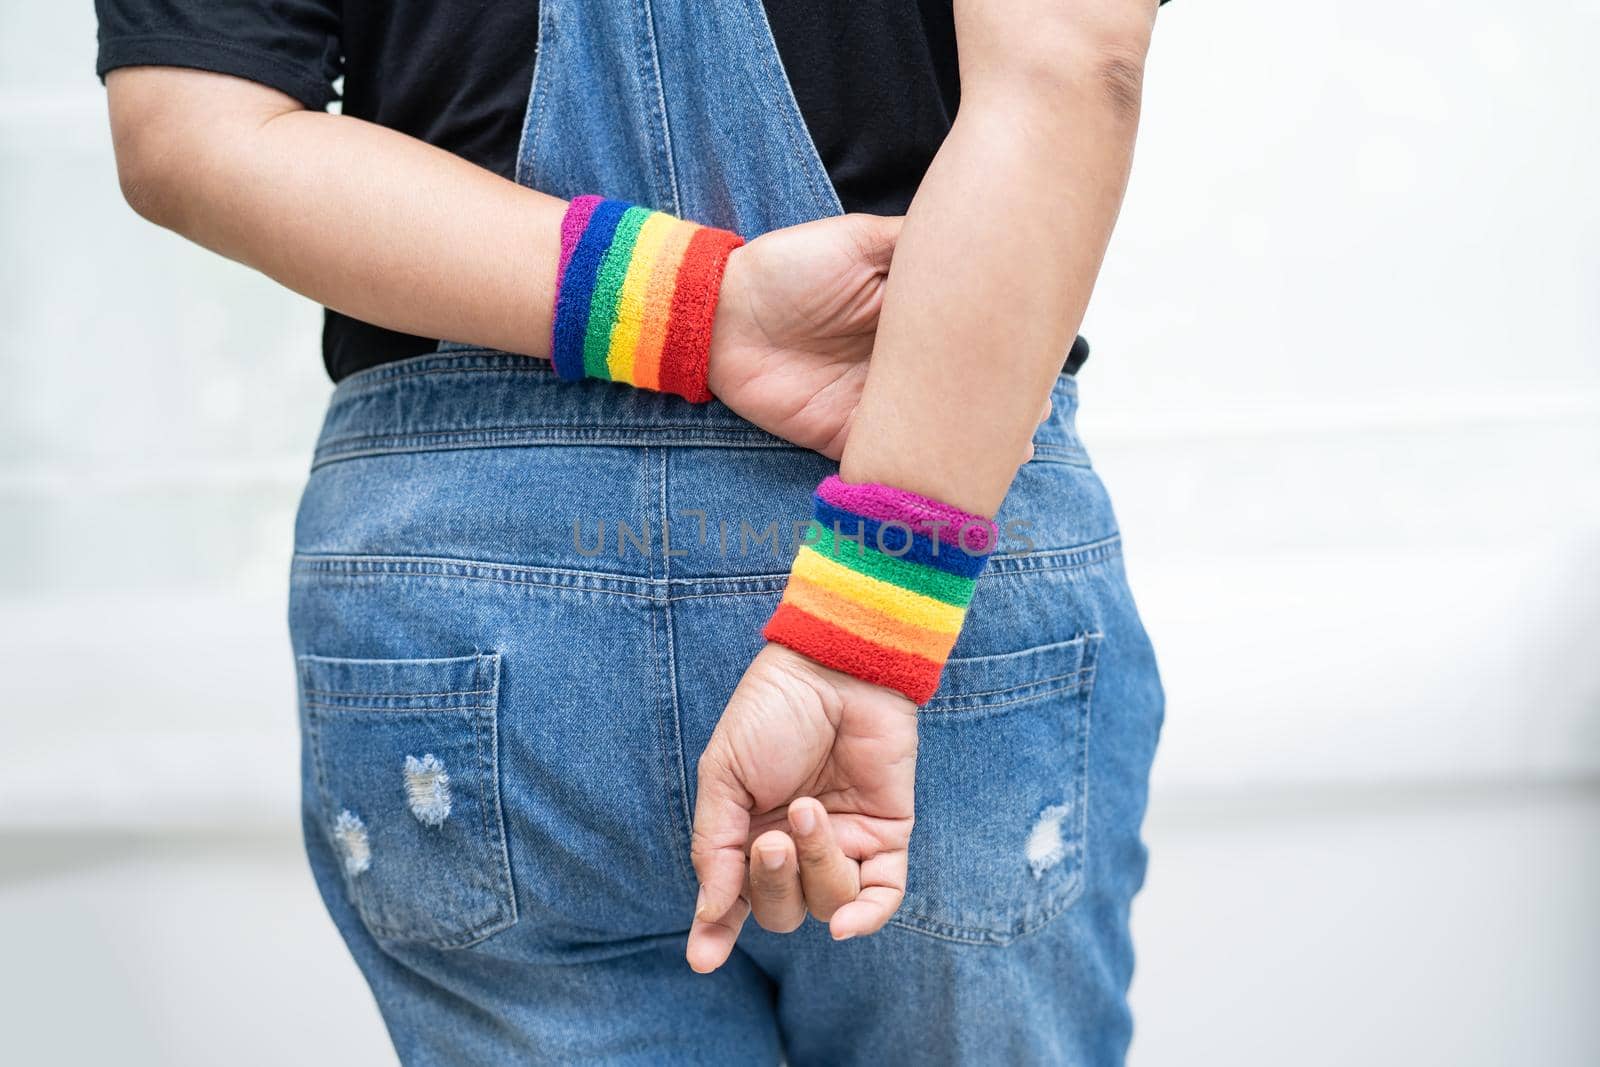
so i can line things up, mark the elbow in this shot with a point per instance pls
(166, 128)
(1061, 54)
(149, 182)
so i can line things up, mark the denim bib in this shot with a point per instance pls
(679, 105)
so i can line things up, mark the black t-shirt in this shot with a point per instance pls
(876, 83)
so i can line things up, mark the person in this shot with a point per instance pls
(691, 539)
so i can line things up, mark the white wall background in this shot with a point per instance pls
(1346, 391)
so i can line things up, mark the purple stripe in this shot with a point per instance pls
(964, 530)
(572, 224)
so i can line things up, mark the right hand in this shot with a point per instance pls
(795, 324)
(805, 801)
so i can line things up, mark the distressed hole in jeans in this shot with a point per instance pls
(428, 789)
(1046, 847)
(351, 834)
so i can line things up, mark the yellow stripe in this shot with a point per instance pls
(919, 610)
(891, 631)
(630, 306)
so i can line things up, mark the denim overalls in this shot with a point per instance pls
(519, 606)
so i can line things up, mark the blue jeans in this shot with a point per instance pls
(503, 701)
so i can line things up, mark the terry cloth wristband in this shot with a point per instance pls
(636, 293)
(881, 584)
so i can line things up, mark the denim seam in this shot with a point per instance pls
(1082, 813)
(538, 94)
(671, 731)
(404, 696)
(494, 836)
(400, 713)
(478, 359)
(994, 939)
(934, 707)
(335, 449)
(474, 360)
(338, 449)
(644, 588)
(957, 711)
(687, 826)
(663, 151)
(594, 583)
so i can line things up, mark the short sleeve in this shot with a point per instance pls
(289, 45)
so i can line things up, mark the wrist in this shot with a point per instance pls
(733, 303)
(833, 687)
(636, 296)
(880, 587)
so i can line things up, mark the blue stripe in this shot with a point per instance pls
(577, 288)
(890, 539)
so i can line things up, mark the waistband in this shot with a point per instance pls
(478, 398)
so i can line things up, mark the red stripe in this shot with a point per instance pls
(836, 647)
(694, 307)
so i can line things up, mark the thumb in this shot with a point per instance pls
(721, 828)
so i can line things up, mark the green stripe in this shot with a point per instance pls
(864, 559)
(608, 290)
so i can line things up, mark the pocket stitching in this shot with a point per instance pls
(952, 710)
(1070, 894)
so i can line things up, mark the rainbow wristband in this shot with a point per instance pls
(881, 584)
(636, 293)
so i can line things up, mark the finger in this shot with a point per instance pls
(1049, 406)
(721, 826)
(828, 877)
(711, 943)
(883, 880)
(775, 897)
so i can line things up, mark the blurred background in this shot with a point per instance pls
(1345, 391)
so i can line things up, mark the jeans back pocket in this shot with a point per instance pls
(405, 783)
(1002, 794)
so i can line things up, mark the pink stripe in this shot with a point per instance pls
(964, 530)
(572, 226)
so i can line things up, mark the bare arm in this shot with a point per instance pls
(1002, 244)
(395, 232)
(360, 218)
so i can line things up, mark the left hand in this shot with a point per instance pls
(795, 323)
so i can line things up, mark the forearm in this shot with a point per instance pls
(358, 217)
(998, 255)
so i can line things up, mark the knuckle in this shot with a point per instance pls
(769, 890)
(815, 857)
(780, 923)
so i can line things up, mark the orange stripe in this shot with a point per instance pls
(658, 306)
(868, 622)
